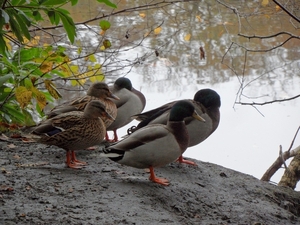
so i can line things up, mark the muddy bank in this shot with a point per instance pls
(37, 188)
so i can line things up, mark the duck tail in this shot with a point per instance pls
(113, 154)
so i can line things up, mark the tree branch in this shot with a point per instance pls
(287, 11)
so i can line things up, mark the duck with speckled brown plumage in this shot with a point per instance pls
(155, 145)
(98, 91)
(74, 130)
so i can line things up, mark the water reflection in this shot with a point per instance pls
(245, 140)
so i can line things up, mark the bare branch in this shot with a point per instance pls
(287, 11)
(269, 102)
(281, 159)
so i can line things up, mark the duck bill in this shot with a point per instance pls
(197, 117)
(110, 117)
(114, 96)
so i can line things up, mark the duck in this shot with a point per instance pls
(131, 102)
(207, 103)
(155, 145)
(97, 91)
(74, 130)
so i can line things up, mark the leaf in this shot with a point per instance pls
(199, 18)
(68, 24)
(23, 96)
(4, 78)
(104, 24)
(4, 15)
(143, 15)
(53, 2)
(74, 2)
(202, 53)
(46, 67)
(157, 30)
(187, 37)
(108, 3)
(92, 58)
(52, 89)
(40, 97)
(106, 44)
(264, 3)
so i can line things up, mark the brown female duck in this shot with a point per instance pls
(74, 130)
(97, 91)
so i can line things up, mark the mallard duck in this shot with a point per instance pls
(131, 102)
(155, 145)
(98, 91)
(74, 130)
(206, 102)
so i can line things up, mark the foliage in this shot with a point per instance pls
(27, 68)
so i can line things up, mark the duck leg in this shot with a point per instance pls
(115, 139)
(70, 162)
(181, 160)
(158, 180)
(76, 161)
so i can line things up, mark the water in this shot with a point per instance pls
(248, 138)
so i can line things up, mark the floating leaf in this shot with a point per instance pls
(277, 7)
(23, 96)
(199, 18)
(157, 30)
(104, 24)
(52, 89)
(264, 3)
(143, 15)
(106, 43)
(187, 37)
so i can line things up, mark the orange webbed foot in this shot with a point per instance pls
(158, 180)
(181, 160)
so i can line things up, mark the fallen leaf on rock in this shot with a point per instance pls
(3, 137)
(6, 188)
(11, 146)
(17, 157)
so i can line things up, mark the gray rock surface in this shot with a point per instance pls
(37, 188)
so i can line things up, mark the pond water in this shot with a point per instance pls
(248, 138)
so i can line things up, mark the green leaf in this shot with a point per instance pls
(74, 2)
(108, 3)
(3, 46)
(15, 26)
(27, 54)
(53, 2)
(22, 24)
(37, 16)
(14, 112)
(68, 25)
(4, 15)
(104, 24)
(4, 78)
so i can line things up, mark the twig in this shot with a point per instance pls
(281, 159)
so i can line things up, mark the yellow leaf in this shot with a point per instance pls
(52, 89)
(102, 32)
(92, 58)
(23, 96)
(143, 15)
(46, 67)
(40, 97)
(187, 37)
(146, 34)
(199, 18)
(264, 3)
(102, 48)
(277, 7)
(157, 30)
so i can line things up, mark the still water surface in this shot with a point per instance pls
(248, 138)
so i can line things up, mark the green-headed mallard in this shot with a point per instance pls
(206, 102)
(74, 130)
(131, 102)
(98, 91)
(155, 145)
